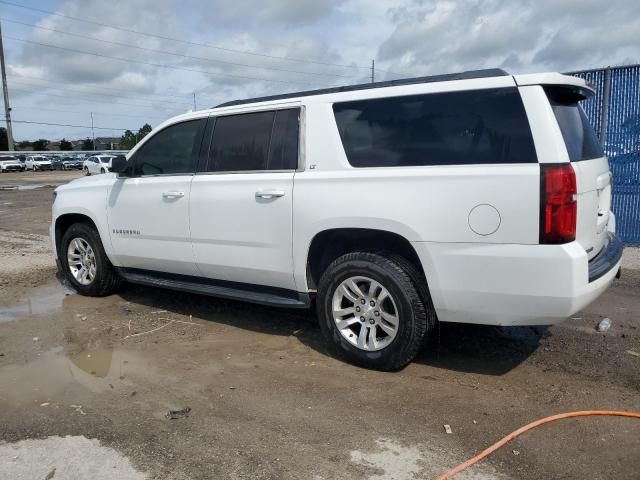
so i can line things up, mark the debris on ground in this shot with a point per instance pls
(604, 325)
(35, 339)
(45, 404)
(447, 428)
(50, 475)
(635, 354)
(516, 452)
(78, 409)
(182, 413)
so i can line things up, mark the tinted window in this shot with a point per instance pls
(482, 126)
(255, 141)
(169, 151)
(283, 153)
(241, 142)
(578, 134)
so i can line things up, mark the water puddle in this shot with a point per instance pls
(95, 362)
(25, 187)
(41, 301)
(55, 374)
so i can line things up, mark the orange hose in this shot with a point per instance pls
(521, 430)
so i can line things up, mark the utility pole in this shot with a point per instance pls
(93, 135)
(5, 91)
(194, 102)
(373, 70)
(604, 111)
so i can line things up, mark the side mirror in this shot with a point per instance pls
(119, 165)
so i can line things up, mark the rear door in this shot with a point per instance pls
(593, 176)
(241, 202)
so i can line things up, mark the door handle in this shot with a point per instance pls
(173, 194)
(269, 193)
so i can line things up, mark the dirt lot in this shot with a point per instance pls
(85, 384)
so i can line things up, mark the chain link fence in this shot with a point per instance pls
(614, 111)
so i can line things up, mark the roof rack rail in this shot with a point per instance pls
(470, 74)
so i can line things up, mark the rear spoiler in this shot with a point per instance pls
(552, 79)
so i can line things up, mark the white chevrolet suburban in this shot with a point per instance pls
(478, 197)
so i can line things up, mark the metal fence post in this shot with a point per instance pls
(604, 113)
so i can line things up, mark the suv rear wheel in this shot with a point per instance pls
(86, 171)
(370, 309)
(85, 262)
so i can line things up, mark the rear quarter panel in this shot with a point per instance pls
(422, 204)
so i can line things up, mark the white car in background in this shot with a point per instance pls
(97, 164)
(10, 164)
(38, 162)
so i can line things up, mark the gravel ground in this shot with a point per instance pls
(93, 378)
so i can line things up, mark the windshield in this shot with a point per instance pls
(105, 159)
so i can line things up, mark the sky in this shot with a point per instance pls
(67, 62)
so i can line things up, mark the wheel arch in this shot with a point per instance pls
(64, 221)
(329, 244)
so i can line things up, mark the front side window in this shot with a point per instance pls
(170, 151)
(255, 142)
(453, 128)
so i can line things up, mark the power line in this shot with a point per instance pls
(90, 99)
(38, 109)
(191, 57)
(97, 93)
(104, 88)
(151, 64)
(199, 44)
(186, 98)
(66, 125)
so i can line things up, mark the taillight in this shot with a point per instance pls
(558, 203)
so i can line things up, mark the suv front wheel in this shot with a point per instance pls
(85, 262)
(370, 309)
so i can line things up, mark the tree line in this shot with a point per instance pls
(127, 141)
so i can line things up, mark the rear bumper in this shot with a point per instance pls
(607, 259)
(507, 284)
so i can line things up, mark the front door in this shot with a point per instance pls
(148, 210)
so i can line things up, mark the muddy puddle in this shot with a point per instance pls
(56, 373)
(24, 187)
(46, 300)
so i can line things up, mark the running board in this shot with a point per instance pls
(217, 288)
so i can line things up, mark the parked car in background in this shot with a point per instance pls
(37, 163)
(97, 164)
(71, 163)
(10, 164)
(56, 163)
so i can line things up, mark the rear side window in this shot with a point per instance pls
(170, 151)
(255, 141)
(578, 134)
(452, 128)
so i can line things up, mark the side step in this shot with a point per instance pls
(218, 288)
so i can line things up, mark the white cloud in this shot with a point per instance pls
(408, 37)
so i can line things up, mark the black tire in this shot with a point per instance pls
(106, 280)
(86, 172)
(102, 170)
(396, 275)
